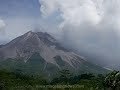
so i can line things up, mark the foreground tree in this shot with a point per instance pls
(112, 80)
(65, 75)
(64, 78)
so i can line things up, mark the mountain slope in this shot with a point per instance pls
(41, 52)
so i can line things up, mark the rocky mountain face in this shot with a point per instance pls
(42, 52)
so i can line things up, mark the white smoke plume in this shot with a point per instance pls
(83, 11)
(2, 24)
(90, 26)
(2, 30)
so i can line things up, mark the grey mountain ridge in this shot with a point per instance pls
(43, 43)
(48, 48)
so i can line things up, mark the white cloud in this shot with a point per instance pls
(89, 25)
(2, 24)
(48, 8)
(77, 12)
(2, 31)
(72, 12)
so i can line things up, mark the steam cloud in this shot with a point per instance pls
(78, 12)
(2, 31)
(2, 24)
(89, 26)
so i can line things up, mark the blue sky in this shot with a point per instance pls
(17, 8)
(18, 17)
(21, 16)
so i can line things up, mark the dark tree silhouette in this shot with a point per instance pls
(112, 80)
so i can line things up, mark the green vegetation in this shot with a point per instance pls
(10, 80)
(36, 74)
(112, 80)
(64, 81)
